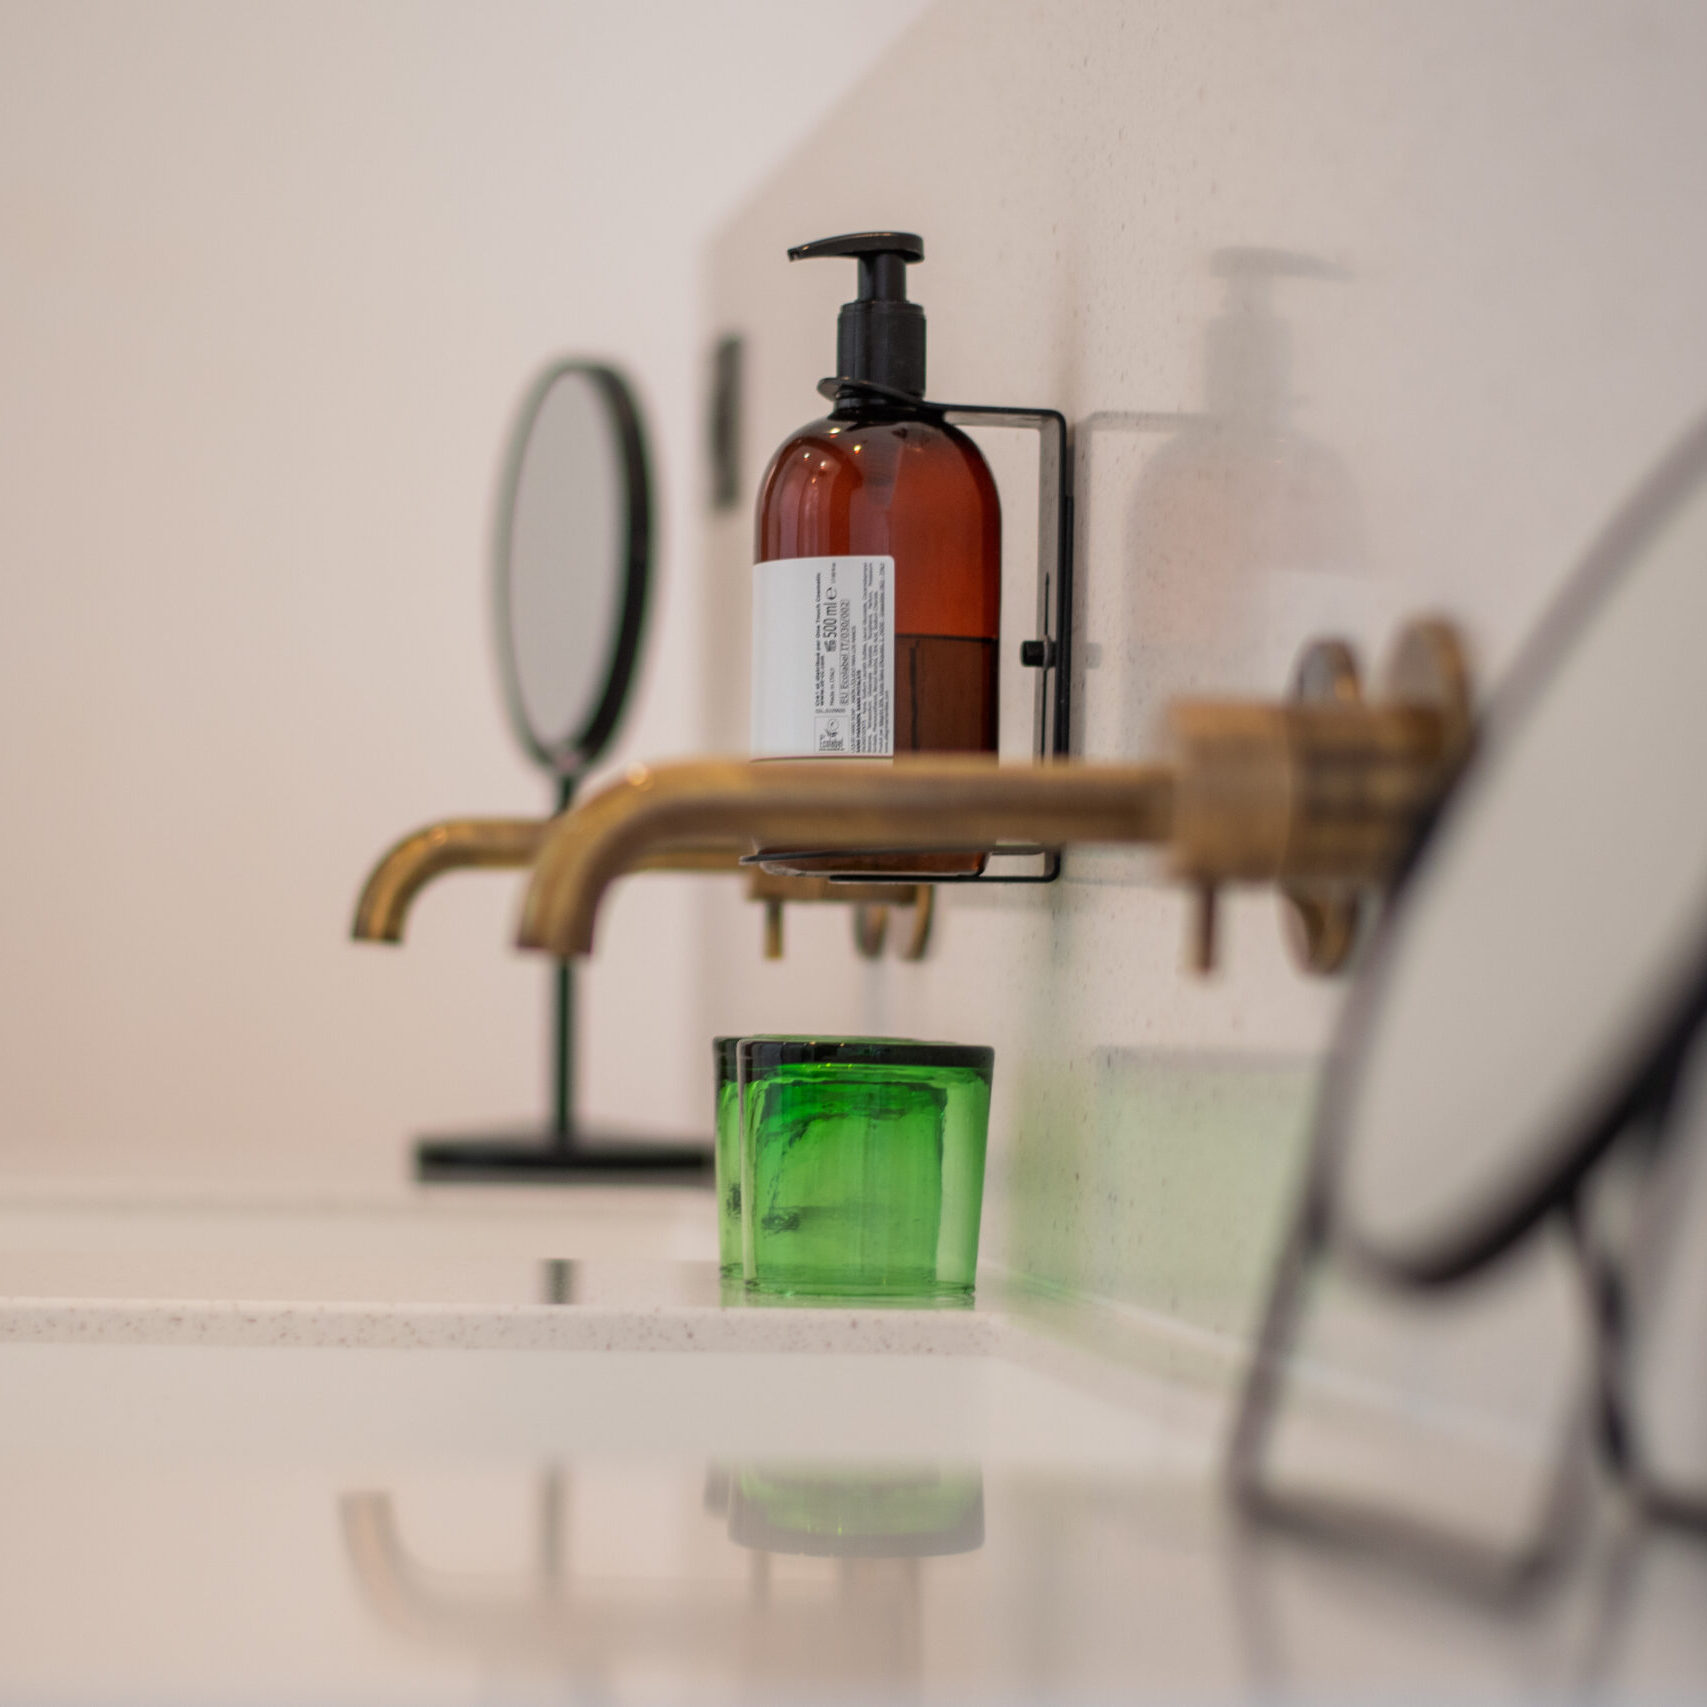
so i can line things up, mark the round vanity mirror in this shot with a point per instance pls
(1546, 956)
(573, 563)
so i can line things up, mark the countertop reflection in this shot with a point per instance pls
(853, 1617)
(612, 1578)
(916, 1582)
(730, 1506)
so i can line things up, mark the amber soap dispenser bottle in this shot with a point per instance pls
(877, 581)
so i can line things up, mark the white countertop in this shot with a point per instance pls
(583, 1268)
(349, 1450)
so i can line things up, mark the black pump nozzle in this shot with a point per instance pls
(880, 337)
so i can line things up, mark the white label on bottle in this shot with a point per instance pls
(824, 657)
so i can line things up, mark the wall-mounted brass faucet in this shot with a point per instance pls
(467, 844)
(923, 802)
(1320, 793)
(411, 864)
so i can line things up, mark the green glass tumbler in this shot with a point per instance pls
(862, 1166)
(726, 1153)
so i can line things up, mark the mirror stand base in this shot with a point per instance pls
(547, 1157)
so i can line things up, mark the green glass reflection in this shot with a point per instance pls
(862, 1168)
(896, 1512)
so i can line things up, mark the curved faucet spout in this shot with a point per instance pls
(925, 803)
(457, 844)
(509, 844)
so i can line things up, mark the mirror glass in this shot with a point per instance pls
(1550, 943)
(574, 559)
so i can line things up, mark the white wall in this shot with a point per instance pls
(1510, 191)
(271, 280)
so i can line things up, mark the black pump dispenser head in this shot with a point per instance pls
(880, 337)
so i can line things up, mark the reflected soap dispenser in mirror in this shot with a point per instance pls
(573, 564)
(878, 554)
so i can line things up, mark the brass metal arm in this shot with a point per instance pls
(459, 844)
(1321, 793)
(911, 803)
(454, 845)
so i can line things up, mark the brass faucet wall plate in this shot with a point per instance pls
(1325, 917)
(1321, 918)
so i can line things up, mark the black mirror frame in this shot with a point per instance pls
(1628, 1087)
(565, 1151)
(571, 757)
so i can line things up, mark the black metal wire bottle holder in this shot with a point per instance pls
(1048, 652)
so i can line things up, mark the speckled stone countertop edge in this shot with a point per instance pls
(521, 1327)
